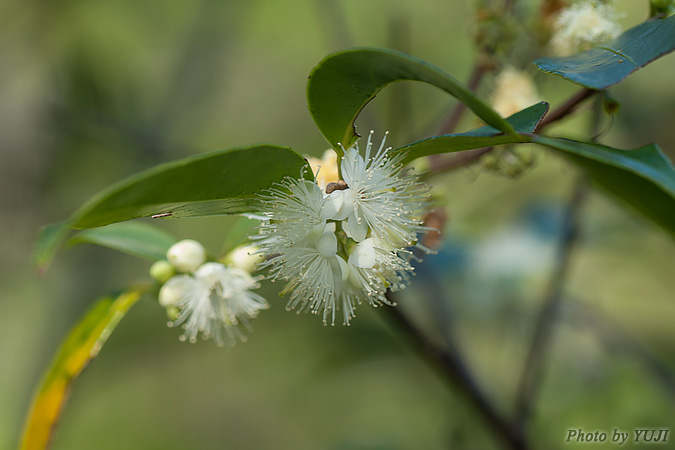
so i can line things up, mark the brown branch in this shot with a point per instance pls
(532, 370)
(566, 108)
(462, 159)
(449, 362)
(477, 73)
(469, 157)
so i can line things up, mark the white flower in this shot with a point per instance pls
(380, 198)
(296, 209)
(584, 25)
(514, 91)
(186, 255)
(215, 300)
(340, 249)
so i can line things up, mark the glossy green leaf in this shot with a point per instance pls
(135, 238)
(82, 344)
(609, 63)
(643, 178)
(218, 182)
(524, 121)
(344, 82)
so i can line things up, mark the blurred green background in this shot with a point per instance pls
(93, 91)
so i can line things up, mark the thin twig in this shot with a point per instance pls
(462, 159)
(531, 377)
(566, 108)
(467, 158)
(449, 362)
(477, 73)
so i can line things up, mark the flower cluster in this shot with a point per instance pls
(514, 90)
(209, 298)
(338, 246)
(584, 25)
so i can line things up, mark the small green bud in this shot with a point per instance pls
(172, 313)
(610, 104)
(525, 157)
(161, 271)
(489, 161)
(513, 170)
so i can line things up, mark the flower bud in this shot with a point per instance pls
(174, 289)
(244, 257)
(186, 255)
(161, 271)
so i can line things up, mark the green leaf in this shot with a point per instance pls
(82, 344)
(524, 121)
(609, 63)
(218, 182)
(643, 178)
(238, 234)
(344, 82)
(48, 242)
(135, 238)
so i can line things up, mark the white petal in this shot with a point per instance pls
(363, 254)
(175, 289)
(332, 204)
(210, 271)
(352, 164)
(316, 232)
(358, 229)
(327, 245)
(344, 268)
(347, 208)
(383, 244)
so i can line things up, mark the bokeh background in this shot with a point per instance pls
(93, 91)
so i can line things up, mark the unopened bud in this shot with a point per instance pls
(245, 257)
(172, 313)
(162, 270)
(610, 104)
(174, 290)
(186, 255)
(489, 161)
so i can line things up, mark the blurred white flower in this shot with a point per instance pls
(338, 249)
(582, 26)
(514, 90)
(512, 254)
(213, 302)
(186, 255)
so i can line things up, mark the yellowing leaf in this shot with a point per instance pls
(81, 345)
